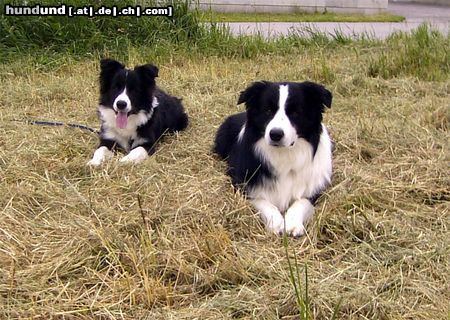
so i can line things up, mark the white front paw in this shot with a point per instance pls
(100, 155)
(136, 155)
(294, 224)
(94, 163)
(273, 219)
(270, 215)
(296, 216)
(276, 223)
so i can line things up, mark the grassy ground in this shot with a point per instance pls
(84, 36)
(170, 239)
(297, 17)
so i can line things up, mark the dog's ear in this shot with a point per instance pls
(317, 94)
(148, 71)
(252, 91)
(108, 68)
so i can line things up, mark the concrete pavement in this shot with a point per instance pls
(415, 14)
(421, 12)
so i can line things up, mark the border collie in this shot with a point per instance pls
(134, 112)
(278, 151)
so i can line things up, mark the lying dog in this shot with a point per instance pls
(278, 151)
(134, 112)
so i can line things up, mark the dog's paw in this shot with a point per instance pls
(93, 163)
(275, 223)
(136, 155)
(294, 225)
(272, 218)
(270, 215)
(100, 155)
(296, 216)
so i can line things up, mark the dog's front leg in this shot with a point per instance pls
(298, 213)
(139, 153)
(270, 215)
(103, 153)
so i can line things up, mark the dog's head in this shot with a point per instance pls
(284, 112)
(126, 91)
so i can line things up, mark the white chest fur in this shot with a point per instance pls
(125, 135)
(297, 174)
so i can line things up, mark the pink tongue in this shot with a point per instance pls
(121, 120)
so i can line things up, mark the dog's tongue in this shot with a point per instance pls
(121, 120)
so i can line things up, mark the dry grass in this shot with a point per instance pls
(75, 243)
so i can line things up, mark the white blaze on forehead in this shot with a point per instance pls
(123, 96)
(284, 91)
(281, 121)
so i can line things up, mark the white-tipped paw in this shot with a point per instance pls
(136, 155)
(100, 155)
(296, 216)
(294, 226)
(276, 223)
(270, 215)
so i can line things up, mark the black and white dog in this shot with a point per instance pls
(134, 112)
(278, 151)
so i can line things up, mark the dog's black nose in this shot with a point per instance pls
(276, 134)
(121, 104)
